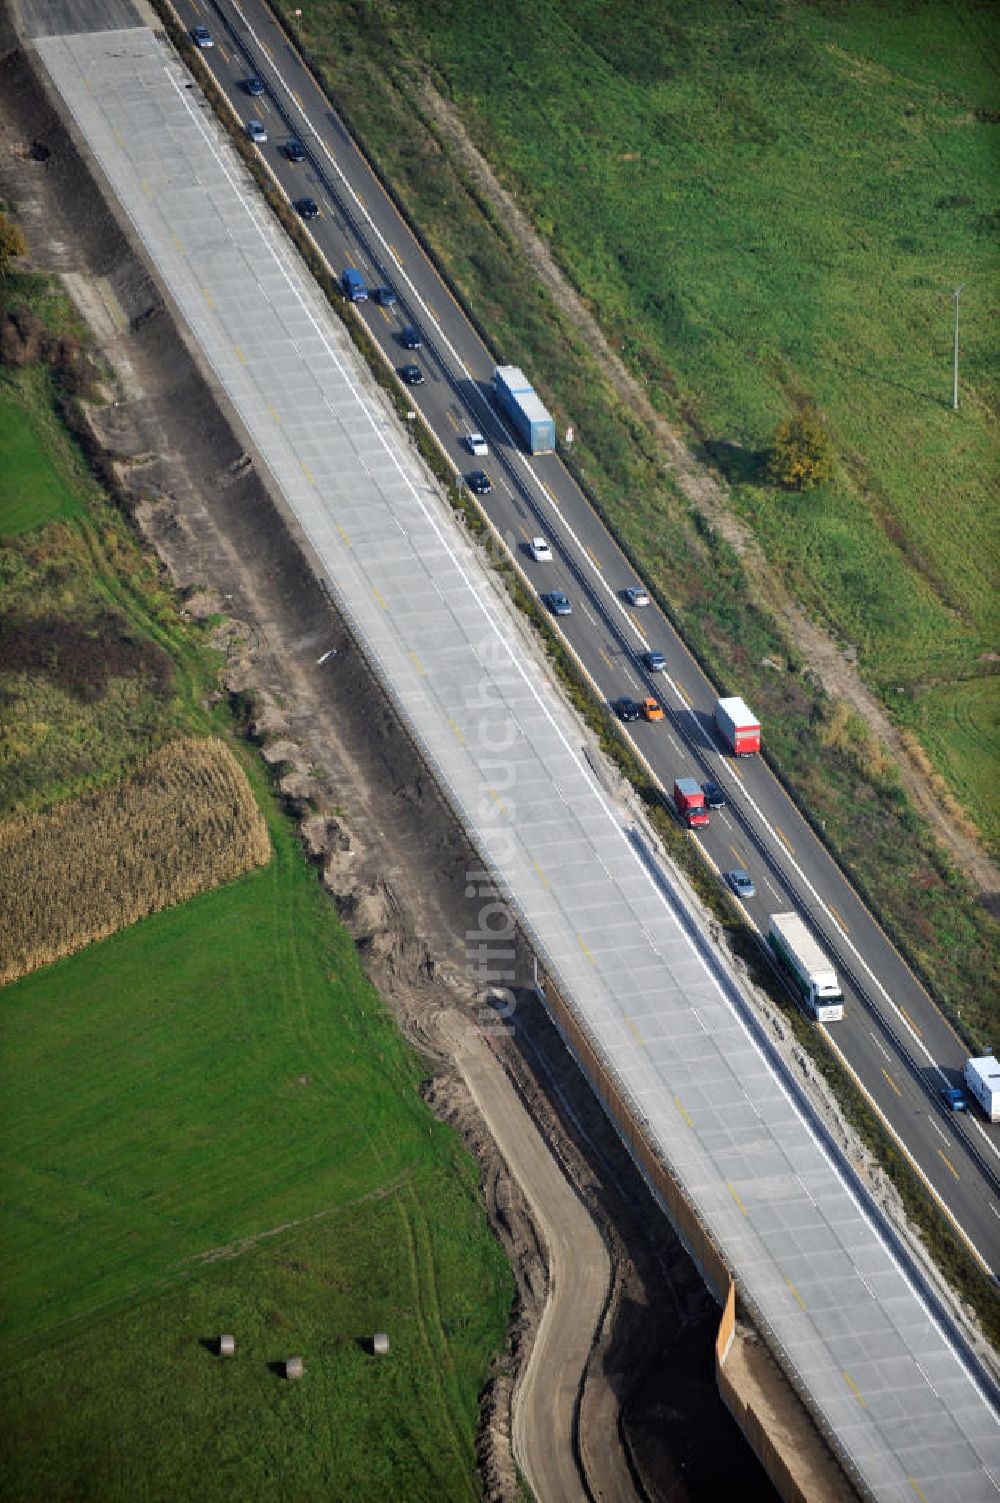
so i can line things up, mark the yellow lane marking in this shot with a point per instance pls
(396, 256)
(457, 733)
(889, 1078)
(453, 420)
(87, 84)
(118, 137)
(736, 773)
(915, 1026)
(268, 50)
(683, 1111)
(178, 242)
(551, 497)
(583, 946)
(298, 101)
(739, 855)
(541, 876)
(784, 839)
(837, 916)
(498, 800)
(147, 189)
(738, 1201)
(948, 1161)
(240, 355)
(917, 1488)
(210, 300)
(605, 657)
(800, 1300)
(594, 559)
(418, 665)
(430, 306)
(225, 54)
(635, 1032)
(343, 534)
(525, 534)
(307, 472)
(379, 598)
(360, 200)
(854, 1389)
(682, 691)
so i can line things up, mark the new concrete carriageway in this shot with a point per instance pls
(909, 1414)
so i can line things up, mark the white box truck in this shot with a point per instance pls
(812, 973)
(982, 1076)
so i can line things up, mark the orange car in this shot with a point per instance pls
(652, 709)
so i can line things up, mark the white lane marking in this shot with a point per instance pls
(937, 1129)
(880, 1046)
(599, 579)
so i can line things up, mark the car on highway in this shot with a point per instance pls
(479, 482)
(636, 595)
(307, 207)
(654, 662)
(476, 444)
(411, 374)
(652, 709)
(954, 1099)
(256, 132)
(715, 798)
(626, 709)
(294, 150)
(742, 883)
(385, 297)
(540, 551)
(201, 36)
(558, 603)
(411, 338)
(254, 87)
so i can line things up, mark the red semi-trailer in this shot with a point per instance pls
(738, 727)
(689, 801)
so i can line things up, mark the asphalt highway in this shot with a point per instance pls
(893, 1038)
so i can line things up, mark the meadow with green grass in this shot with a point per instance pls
(33, 491)
(209, 1120)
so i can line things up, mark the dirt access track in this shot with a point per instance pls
(616, 1399)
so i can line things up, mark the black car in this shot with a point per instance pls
(386, 298)
(714, 796)
(655, 662)
(411, 338)
(411, 374)
(627, 709)
(479, 482)
(307, 207)
(254, 87)
(295, 151)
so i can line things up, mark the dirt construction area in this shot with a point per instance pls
(608, 1385)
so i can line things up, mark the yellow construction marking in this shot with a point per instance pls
(736, 773)
(453, 420)
(225, 55)
(739, 855)
(88, 85)
(594, 559)
(456, 732)
(915, 1026)
(268, 50)
(635, 1032)
(605, 657)
(525, 534)
(541, 875)
(891, 1082)
(498, 801)
(837, 916)
(210, 300)
(418, 665)
(240, 355)
(738, 1201)
(854, 1389)
(948, 1161)
(118, 137)
(784, 839)
(379, 598)
(801, 1301)
(274, 413)
(430, 308)
(682, 691)
(360, 200)
(147, 189)
(917, 1488)
(552, 498)
(178, 243)
(683, 1111)
(343, 534)
(396, 256)
(307, 472)
(583, 946)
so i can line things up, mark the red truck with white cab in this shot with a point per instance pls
(689, 801)
(738, 727)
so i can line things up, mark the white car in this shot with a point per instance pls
(476, 444)
(540, 551)
(256, 132)
(636, 595)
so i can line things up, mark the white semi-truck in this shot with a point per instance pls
(808, 967)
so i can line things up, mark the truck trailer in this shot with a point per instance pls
(689, 801)
(808, 967)
(518, 401)
(982, 1076)
(738, 726)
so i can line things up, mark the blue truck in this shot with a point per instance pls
(354, 287)
(518, 400)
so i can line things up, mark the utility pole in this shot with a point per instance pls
(954, 387)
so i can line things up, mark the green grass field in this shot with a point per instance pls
(210, 1121)
(34, 491)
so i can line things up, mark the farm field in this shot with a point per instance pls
(762, 204)
(210, 1121)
